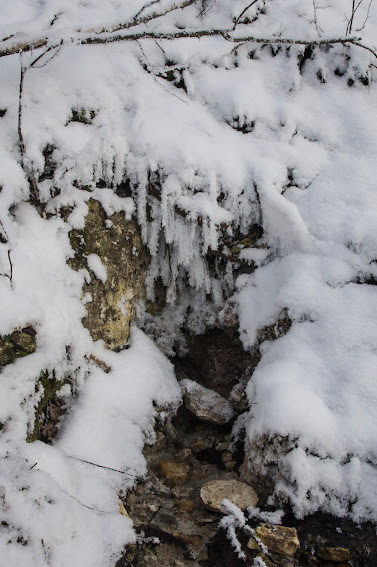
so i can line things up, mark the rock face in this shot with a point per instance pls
(17, 345)
(112, 251)
(277, 539)
(206, 404)
(213, 493)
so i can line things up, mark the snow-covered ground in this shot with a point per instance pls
(305, 169)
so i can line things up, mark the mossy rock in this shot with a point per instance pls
(50, 386)
(18, 344)
(118, 244)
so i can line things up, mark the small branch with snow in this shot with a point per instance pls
(100, 39)
(30, 176)
(10, 275)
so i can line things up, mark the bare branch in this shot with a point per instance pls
(366, 17)
(356, 42)
(32, 180)
(354, 9)
(317, 26)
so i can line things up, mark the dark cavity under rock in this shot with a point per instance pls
(216, 359)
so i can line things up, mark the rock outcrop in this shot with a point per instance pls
(112, 251)
(16, 345)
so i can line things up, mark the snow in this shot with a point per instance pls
(95, 264)
(256, 137)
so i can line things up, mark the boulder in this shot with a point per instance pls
(206, 404)
(213, 493)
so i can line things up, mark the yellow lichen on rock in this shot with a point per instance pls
(118, 245)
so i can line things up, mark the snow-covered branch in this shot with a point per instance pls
(99, 39)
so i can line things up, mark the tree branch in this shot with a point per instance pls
(225, 33)
(32, 180)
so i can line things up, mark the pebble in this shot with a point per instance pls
(213, 493)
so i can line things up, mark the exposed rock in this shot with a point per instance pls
(206, 404)
(123, 260)
(173, 472)
(238, 397)
(277, 539)
(186, 505)
(213, 493)
(17, 345)
(335, 554)
(200, 445)
(50, 408)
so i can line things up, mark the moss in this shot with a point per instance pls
(18, 344)
(50, 386)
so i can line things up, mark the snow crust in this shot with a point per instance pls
(276, 136)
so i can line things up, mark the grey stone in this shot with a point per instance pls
(206, 404)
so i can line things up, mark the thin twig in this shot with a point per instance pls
(9, 276)
(145, 7)
(244, 12)
(30, 176)
(355, 42)
(366, 17)
(57, 47)
(101, 466)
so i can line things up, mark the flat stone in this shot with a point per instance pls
(213, 493)
(206, 404)
(335, 554)
(173, 472)
(278, 539)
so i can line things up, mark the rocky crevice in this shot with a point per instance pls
(194, 463)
